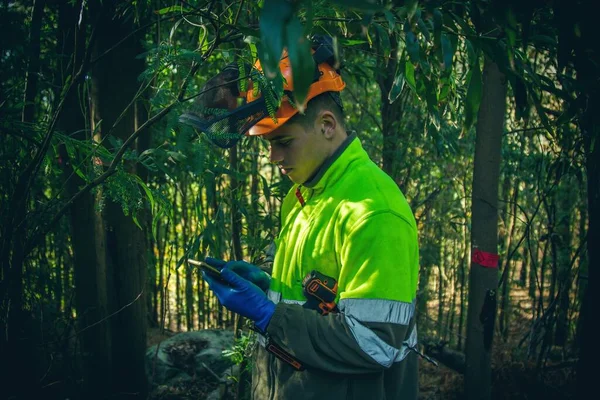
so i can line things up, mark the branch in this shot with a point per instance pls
(32, 169)
(366, 110)
(439, 350)
(112, 168)
(105, 318)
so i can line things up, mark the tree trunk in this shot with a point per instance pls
(483, 281)
(511, 217)
(189, 285)
(441, 287)
(114, 86)
(566, 206)
(33, 66)
(178, 301)
(235, 216)
(15, 342)
(590, 130)
(86, 225)
(391, 113)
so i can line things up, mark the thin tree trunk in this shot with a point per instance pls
(189, 285)
(115, 86)
(454, 283)
(15, 346)
(565, 208)
(86, 225)
(391, 113)
(178, 299)
(483, 281)
(587, 73)
(33, 65)
(441, 287)
(505, 304)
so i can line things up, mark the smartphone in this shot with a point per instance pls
(209, 269)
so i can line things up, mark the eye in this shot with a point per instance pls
(286, 142)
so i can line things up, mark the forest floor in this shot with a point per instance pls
(515, 376)
(511, 379)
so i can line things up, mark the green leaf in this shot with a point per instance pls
(384, 40)
(447, 52)
(273, 18)
(176, 156)
(390, 19)
(398, 84)
(350, 42)
(471, 53)
(540, 110)
(568, 114)
(146, 190)
(465, 26)
(303, 65)
(172, 9)
(432, 103)
(511, 27)
(424, 29)
(520, 93)
(409, 74)
(203, 39)
(474, 93)
(412, 46)
(411, 8)
(173, 29)
(438, 22)
(135, 220)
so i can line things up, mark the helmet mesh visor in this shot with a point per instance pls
(223, 127)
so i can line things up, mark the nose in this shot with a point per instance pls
(276, 155)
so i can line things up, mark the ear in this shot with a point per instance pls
(327, 124)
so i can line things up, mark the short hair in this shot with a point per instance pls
(330, 101)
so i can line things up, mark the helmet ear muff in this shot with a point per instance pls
(325, 51)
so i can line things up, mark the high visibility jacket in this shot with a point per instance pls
(350, 222)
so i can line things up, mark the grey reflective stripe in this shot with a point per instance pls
(378, 310)
(299, 302)
(275, 297)
(379, 350)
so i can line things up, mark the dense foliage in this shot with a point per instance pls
(104, 194)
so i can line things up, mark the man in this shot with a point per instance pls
(345, 218)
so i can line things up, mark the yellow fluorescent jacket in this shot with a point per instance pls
(357, 227)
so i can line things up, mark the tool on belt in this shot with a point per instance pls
(320, 292)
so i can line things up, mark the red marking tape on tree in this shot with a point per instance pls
(488, 260)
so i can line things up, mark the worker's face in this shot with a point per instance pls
(298, 152)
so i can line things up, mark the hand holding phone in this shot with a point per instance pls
(209, 269)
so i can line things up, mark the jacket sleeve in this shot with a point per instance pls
(377, 284)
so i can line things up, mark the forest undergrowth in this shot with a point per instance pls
(514, 375)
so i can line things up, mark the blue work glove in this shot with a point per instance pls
(242, 297)
(249, 272)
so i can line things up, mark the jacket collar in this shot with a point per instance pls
(334, 166)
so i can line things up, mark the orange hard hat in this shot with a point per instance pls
(329, 80)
